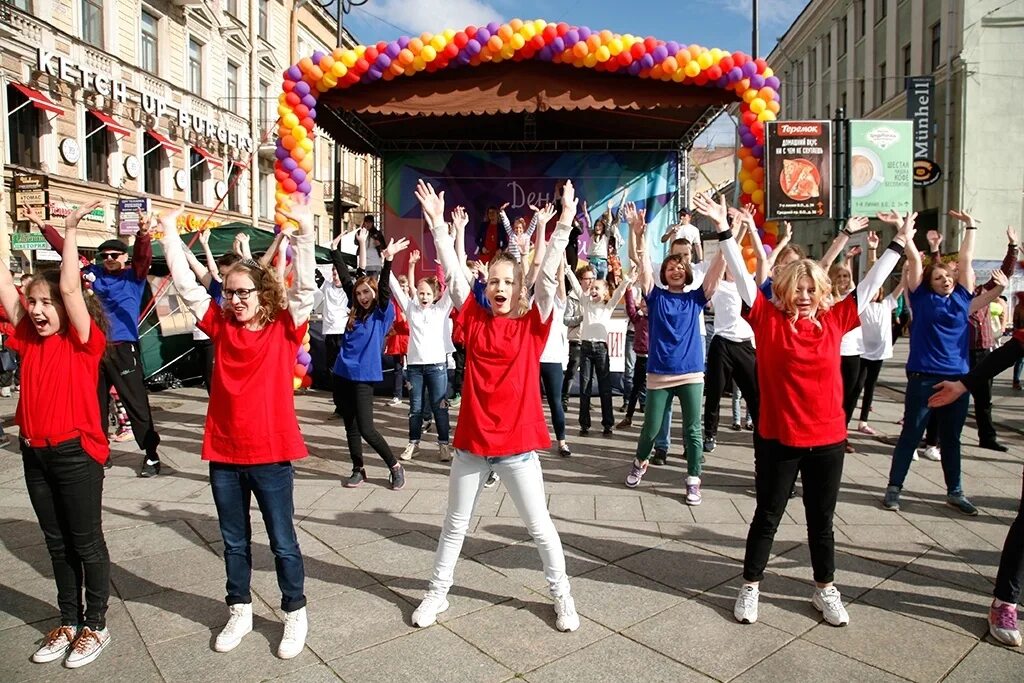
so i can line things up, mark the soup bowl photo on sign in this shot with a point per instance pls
(865, 171)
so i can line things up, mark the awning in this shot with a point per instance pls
(210, 158)
(168, 146)
(38, 99)
(111, 123)
(240, 164)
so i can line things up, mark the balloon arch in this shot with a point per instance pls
(752, 80)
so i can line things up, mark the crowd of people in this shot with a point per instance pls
(491, 336)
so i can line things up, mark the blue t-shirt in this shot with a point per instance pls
(766, 289)
(939, 331)
(216, 291)
(480, 294)
(121, 296)
(362, 346)
(675, 345)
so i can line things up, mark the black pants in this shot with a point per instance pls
(594, 361)
(982, 393)
(460, 369)
(121, 368)
(570, 372)
(775, 470)
(65, 486)
(870, 368)
(204, 347)
(332, 345)
(357, 412)
(551, 379)
(1011, 562)
(729, 359)
(853, 382)
(638, 385)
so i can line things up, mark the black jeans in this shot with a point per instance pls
(594, 361)
(853, 381)
(1011, 562)
(982, 393)
(121, 368)
(357, 412)
(551, 378)
(775, 470)
(870, 368)
(65, 486)
(629, 362)
(729, 359)
(460, 369)
(204, 347)
(638, 385)
(570, 372)
(332, 345)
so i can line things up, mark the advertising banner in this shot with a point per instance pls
(798, 169)
(920, 93)
(128, 211)
(881, 166)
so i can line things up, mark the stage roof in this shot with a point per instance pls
(519, 105)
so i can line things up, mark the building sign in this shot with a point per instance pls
(30, 190)
(926, 172)
(798, 169)
(128, 211)
(83, 76)
(59, 210)
(881, 166)
(28, 241)
(920, 93)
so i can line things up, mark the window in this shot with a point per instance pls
(936, 45)
(152, 164)
(197, 174)
(24, 5)
(92, 22)
(862, 19)
(195, 66)
(826, 51)
(150, 42)
(906, 60)
(862, 100)
(880, 84)
(812, 60)
(263, 122)
(262, 189)
(232, 87)
(264, 27)
(881, 9)
(234, 198)
(97, 149)
(842, 100)
(23, 129)
(842, 36)
(232, 7)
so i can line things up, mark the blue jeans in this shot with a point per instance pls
(434, 380)
(600, 266)
(551, 379)
(915, 418)
(272, 484)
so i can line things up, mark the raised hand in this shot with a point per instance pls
(503, 206)
(873, 240)
(362, 234)
(934, 240)
(414, 257)
(533, 208)
(636, 219)
(854, 252)
(964, 217)
(856, 223)
(169, 224)
(460, 219)
(717, 212)
(544, 215)
(394, 247)
(302, 215)
(1011, 235)
(204, 237)
(431, 202)
(907, 229)
(891, 217)
(999, 278)
(569, 202)
(33, 217)
(787, 230)
(84, 210)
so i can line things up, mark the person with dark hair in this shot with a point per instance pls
(685, 230)
(490, 237)
(119, 289)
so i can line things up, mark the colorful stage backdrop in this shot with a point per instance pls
(477, 180)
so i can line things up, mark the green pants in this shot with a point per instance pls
(691, 397)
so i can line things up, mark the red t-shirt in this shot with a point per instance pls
(251, 415)
(501, 412)
(59, 376)
(798, 373)
(396, 343)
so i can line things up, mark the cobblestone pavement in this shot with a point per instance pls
(654, 580)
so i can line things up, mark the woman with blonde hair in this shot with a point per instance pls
(802, 425)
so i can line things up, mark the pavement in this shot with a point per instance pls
(653, 579)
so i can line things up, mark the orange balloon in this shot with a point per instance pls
(505, 32)
(288, 142)
(495, 44)
(580, 50)
(416, 45)
(405, 57)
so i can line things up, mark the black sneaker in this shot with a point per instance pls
(355, 479)
(660, 457)
(992, 445)
(709, 445)
(584, 431)
(607, 431)
(397, 478)
(149, 468)
(564, 451)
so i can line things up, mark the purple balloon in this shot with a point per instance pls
(647, 61)
(722, 82)
(305, 187)
(635, 68)
(281, 153)
(464, 59)
(744, 129)
(403, 42)
(294, 72)
(757, 81)
(545, 53)
(757, 150)
(748, 140)
(749, 69)
(298, 175)
(773, 83)
(735, 74)
(289, 164)
(558, 44)
(572, 36)
(303, 356)
(374, 73)
(309, 101)
(660, 52)
(473, 46)
(301, 88)
(482, 36)
(672, 47)
(492, 27)
(584, 32)
(393, 49)
(317, 56)
(312, 114)
(382, 62)
(768, 249)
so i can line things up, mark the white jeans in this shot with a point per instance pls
(522, 477)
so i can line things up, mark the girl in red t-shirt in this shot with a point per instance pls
(802, 424)
(252, 434)
(501, 425)
(59, 336)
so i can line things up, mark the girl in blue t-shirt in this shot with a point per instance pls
(358, 366)
(675, 360)
(940, 296)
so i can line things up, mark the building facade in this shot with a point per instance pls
(169, 101)
(858, 55)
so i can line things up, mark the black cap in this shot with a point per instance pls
(113, 245)
(684, 211)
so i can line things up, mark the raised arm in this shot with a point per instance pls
(714, 274)
(764, 266)
(241, 246)
(460, 219)
(503, 217)
(362, 235)
(142, 250)
(273, 250)
(989, 294)
(1009, 259)
(541, 216)
(544, 292)
(211, 262)
(637, 248)
(300, 294)
(719, 213)
(433, 210)
(196, 297)
(965, 267)
(71, 276)
(398, 291)
(387, 258)
(883, 267)
(202, 273)
(52, 237)
(787, 235)
(853, 224)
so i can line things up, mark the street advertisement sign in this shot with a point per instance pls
(128, 214)
(28, 241)
(798, 169)
(881, 166)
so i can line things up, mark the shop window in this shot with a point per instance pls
(198, 175)
(152, 164)
(234, 198)
(24, 129)
(97, 149)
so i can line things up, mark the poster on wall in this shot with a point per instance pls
(881, 166)
(798, 170)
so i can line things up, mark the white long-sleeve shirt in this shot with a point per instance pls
(426, 326)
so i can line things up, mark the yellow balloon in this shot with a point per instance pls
(704, 60)
(330, 81)
(678, 75)
(590, 60)
(428, 53)
(517, 41)
(615, 46)
(338, 70)
(419, 64)
(438, 43)
(448, 35)
(768, 72)
(603, 54)
(289, 120)
(692, 69)
(749, 96)
(538, 25)
(716, 55)
(507, 51)
(349, 58)
(297, 383)
(283, 109)
(757, 196)
(757, 105)
(306, 144)
(766, 115)
(528, 31)
(307, 163)
(299, 133)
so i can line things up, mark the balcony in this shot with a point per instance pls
(350, 194)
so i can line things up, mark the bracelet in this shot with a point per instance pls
(847, 232)
(897, 247)
(972, 227)
(725, 235)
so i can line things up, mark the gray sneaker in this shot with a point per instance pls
(892, 498)
(397, 478)
(960, 502)
(355, 479)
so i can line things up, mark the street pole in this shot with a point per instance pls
(336, 213)
(754, 48)
(840, 170)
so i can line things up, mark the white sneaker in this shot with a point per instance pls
(492, 480)
(87, 647)
(693, 495)
(829, 602)
(444, 452)
(932, 453)
(294, 638)
(239, 625)
(395, 402)
(5, 392)
(916, 457)
(409, 451)
(55, 645)
(566, 619)
(426, 614)
(745, 609)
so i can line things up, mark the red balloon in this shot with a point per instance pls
(637, 50)
(726, 63)
(757, 127)
(371, 54)
(739, 59)
(714, 72)
(761, 65)
(701, 79)
(288, 185)
(563, 28)
(292, 99)
(745, 198)
(650, 42)
(451, 50)
(281, 175)
(749, 118)
(307, 381)
(361, 66)
(301, 111)
(625, 58)
(300, 370)
(537, 41)
(549, 33)
(288, 85)
(307, 123)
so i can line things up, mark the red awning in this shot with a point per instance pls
(210, 159)
(164, 142)
(239, 163)
(111, 123)
(38, 99)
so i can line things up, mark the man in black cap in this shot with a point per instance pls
(119, 288)
(686, 230)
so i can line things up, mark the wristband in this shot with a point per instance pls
(720, 236)
(897, 247)
(847, 232)
(972, 227)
